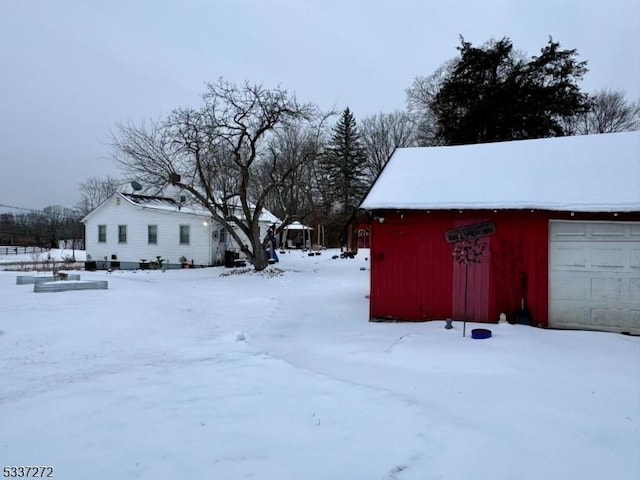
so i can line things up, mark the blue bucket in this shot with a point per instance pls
(480, 333)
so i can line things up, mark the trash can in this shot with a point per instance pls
(90, 265)
(229, 258)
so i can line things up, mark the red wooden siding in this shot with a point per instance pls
(520, 245)
(414, 277)
(410, 280)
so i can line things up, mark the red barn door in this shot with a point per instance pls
(474, 278)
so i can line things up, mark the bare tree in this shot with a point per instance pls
(219, 154)
(30, 224)
(609, 112)
(294, 145)
(419, 97)
(95, 191)
(53, 216)
(59, 223)
(296, 196)
(381, 134)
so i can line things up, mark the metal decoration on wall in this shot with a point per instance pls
(470, 231)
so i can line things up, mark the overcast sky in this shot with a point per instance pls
(72, 69)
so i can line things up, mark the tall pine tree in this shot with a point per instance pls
(495, 94)
(345, 165)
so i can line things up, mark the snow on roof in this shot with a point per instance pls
(169, 204)
(163, 203)
(268, 217)
(297, 226)
(583, 173)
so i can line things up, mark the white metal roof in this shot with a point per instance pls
(581, 173)
(171, 205)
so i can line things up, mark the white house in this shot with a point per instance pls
(130, 231)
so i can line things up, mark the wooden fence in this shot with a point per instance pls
(14, 250)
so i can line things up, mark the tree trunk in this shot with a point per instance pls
(257, 255)
(260, 260)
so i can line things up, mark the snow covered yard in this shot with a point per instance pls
(190, 374)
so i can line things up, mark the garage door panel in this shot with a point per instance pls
(607, 317)
(569, 256)
(608, 257)
(634, 289)
(609, 230)
(571, 288)
(570, 229)
(594, 279)
(569, 314)
(609, 288)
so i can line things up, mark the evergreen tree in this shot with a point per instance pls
(494, 94)
(344, 164)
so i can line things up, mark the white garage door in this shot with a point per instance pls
(594, 275)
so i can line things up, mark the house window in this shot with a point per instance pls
(184, 234)
(122, 234)
(152, 234)
(223, 235)
(102, 234)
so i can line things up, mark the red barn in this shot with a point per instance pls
(556, 223)
(362, 232)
